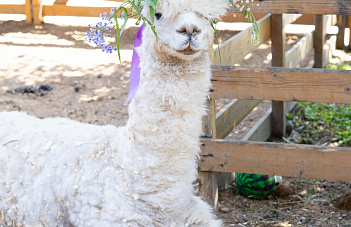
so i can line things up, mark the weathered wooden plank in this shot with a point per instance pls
(278, 59)
(338, 7)
(278, 40)
(340, 38)
(328, 49)
(208, 180)
(319, 40)
(304, 161)
(28, 11)
(12, 9)
(37, 11)
(281, 84)
(229, 17)
(232, 114)
(290, 18)
(262, 129)
(63, 10)
(299, 51)
(236, 48)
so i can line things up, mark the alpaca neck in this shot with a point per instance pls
(165, 120)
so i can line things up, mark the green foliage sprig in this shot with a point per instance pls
(245, 9)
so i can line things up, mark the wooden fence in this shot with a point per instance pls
(247, 86)
(279, 83)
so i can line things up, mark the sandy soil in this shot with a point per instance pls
(89, 86)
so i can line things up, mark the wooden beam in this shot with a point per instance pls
(63, 10)
(338, 7)
(37, 11)
(28, 11)
(328, 49)
(232, 114)
(229, 17)
(208, 180)
(262, 129)
(12, 9)
(319, 40)
(299, 51)
(281, 84)
(290, 18)
(340, 38)
(330, 163)
(278, 120)
(236, 48)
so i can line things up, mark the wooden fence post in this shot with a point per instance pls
(208, 180)
(37, 11)
(28, 10)
(319, 40)
(278, 59)
(340, 38)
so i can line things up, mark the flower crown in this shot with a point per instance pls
(109, 25)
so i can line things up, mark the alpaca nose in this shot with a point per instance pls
(189, 29)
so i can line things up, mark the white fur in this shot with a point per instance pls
(59, 172)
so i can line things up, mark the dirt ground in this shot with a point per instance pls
(90, 86)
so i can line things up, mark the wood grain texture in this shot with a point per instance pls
(319, 40)
(37, 10)
(12, 9)
(229, 17)
(63, 10)
(342, 22)
(338, 7)
(299, 51)
(208, 181)
(290, 18)
(28, 11)
(281, 84)
(236, 48)
(262, 129)
(278, 59)
(279, 159)
(232, 114)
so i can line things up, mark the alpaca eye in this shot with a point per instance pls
(158, 16)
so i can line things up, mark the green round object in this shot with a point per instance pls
(255, 186)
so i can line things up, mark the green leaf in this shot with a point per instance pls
(118, 38)
(125, 20)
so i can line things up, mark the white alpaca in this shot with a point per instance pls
(59, 172)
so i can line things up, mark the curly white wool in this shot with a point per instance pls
(59, 172)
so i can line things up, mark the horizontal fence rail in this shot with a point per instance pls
(294, 160)
(281, 84)
(338, 7)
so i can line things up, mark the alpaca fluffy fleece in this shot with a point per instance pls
(59, 172)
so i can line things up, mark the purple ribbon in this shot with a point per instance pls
(134, 78)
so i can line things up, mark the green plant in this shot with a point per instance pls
(320, 120)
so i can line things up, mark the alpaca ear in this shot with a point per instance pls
(216, 8)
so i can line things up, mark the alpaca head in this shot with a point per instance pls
(183, 27)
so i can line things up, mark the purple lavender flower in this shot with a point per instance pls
(100, 30)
